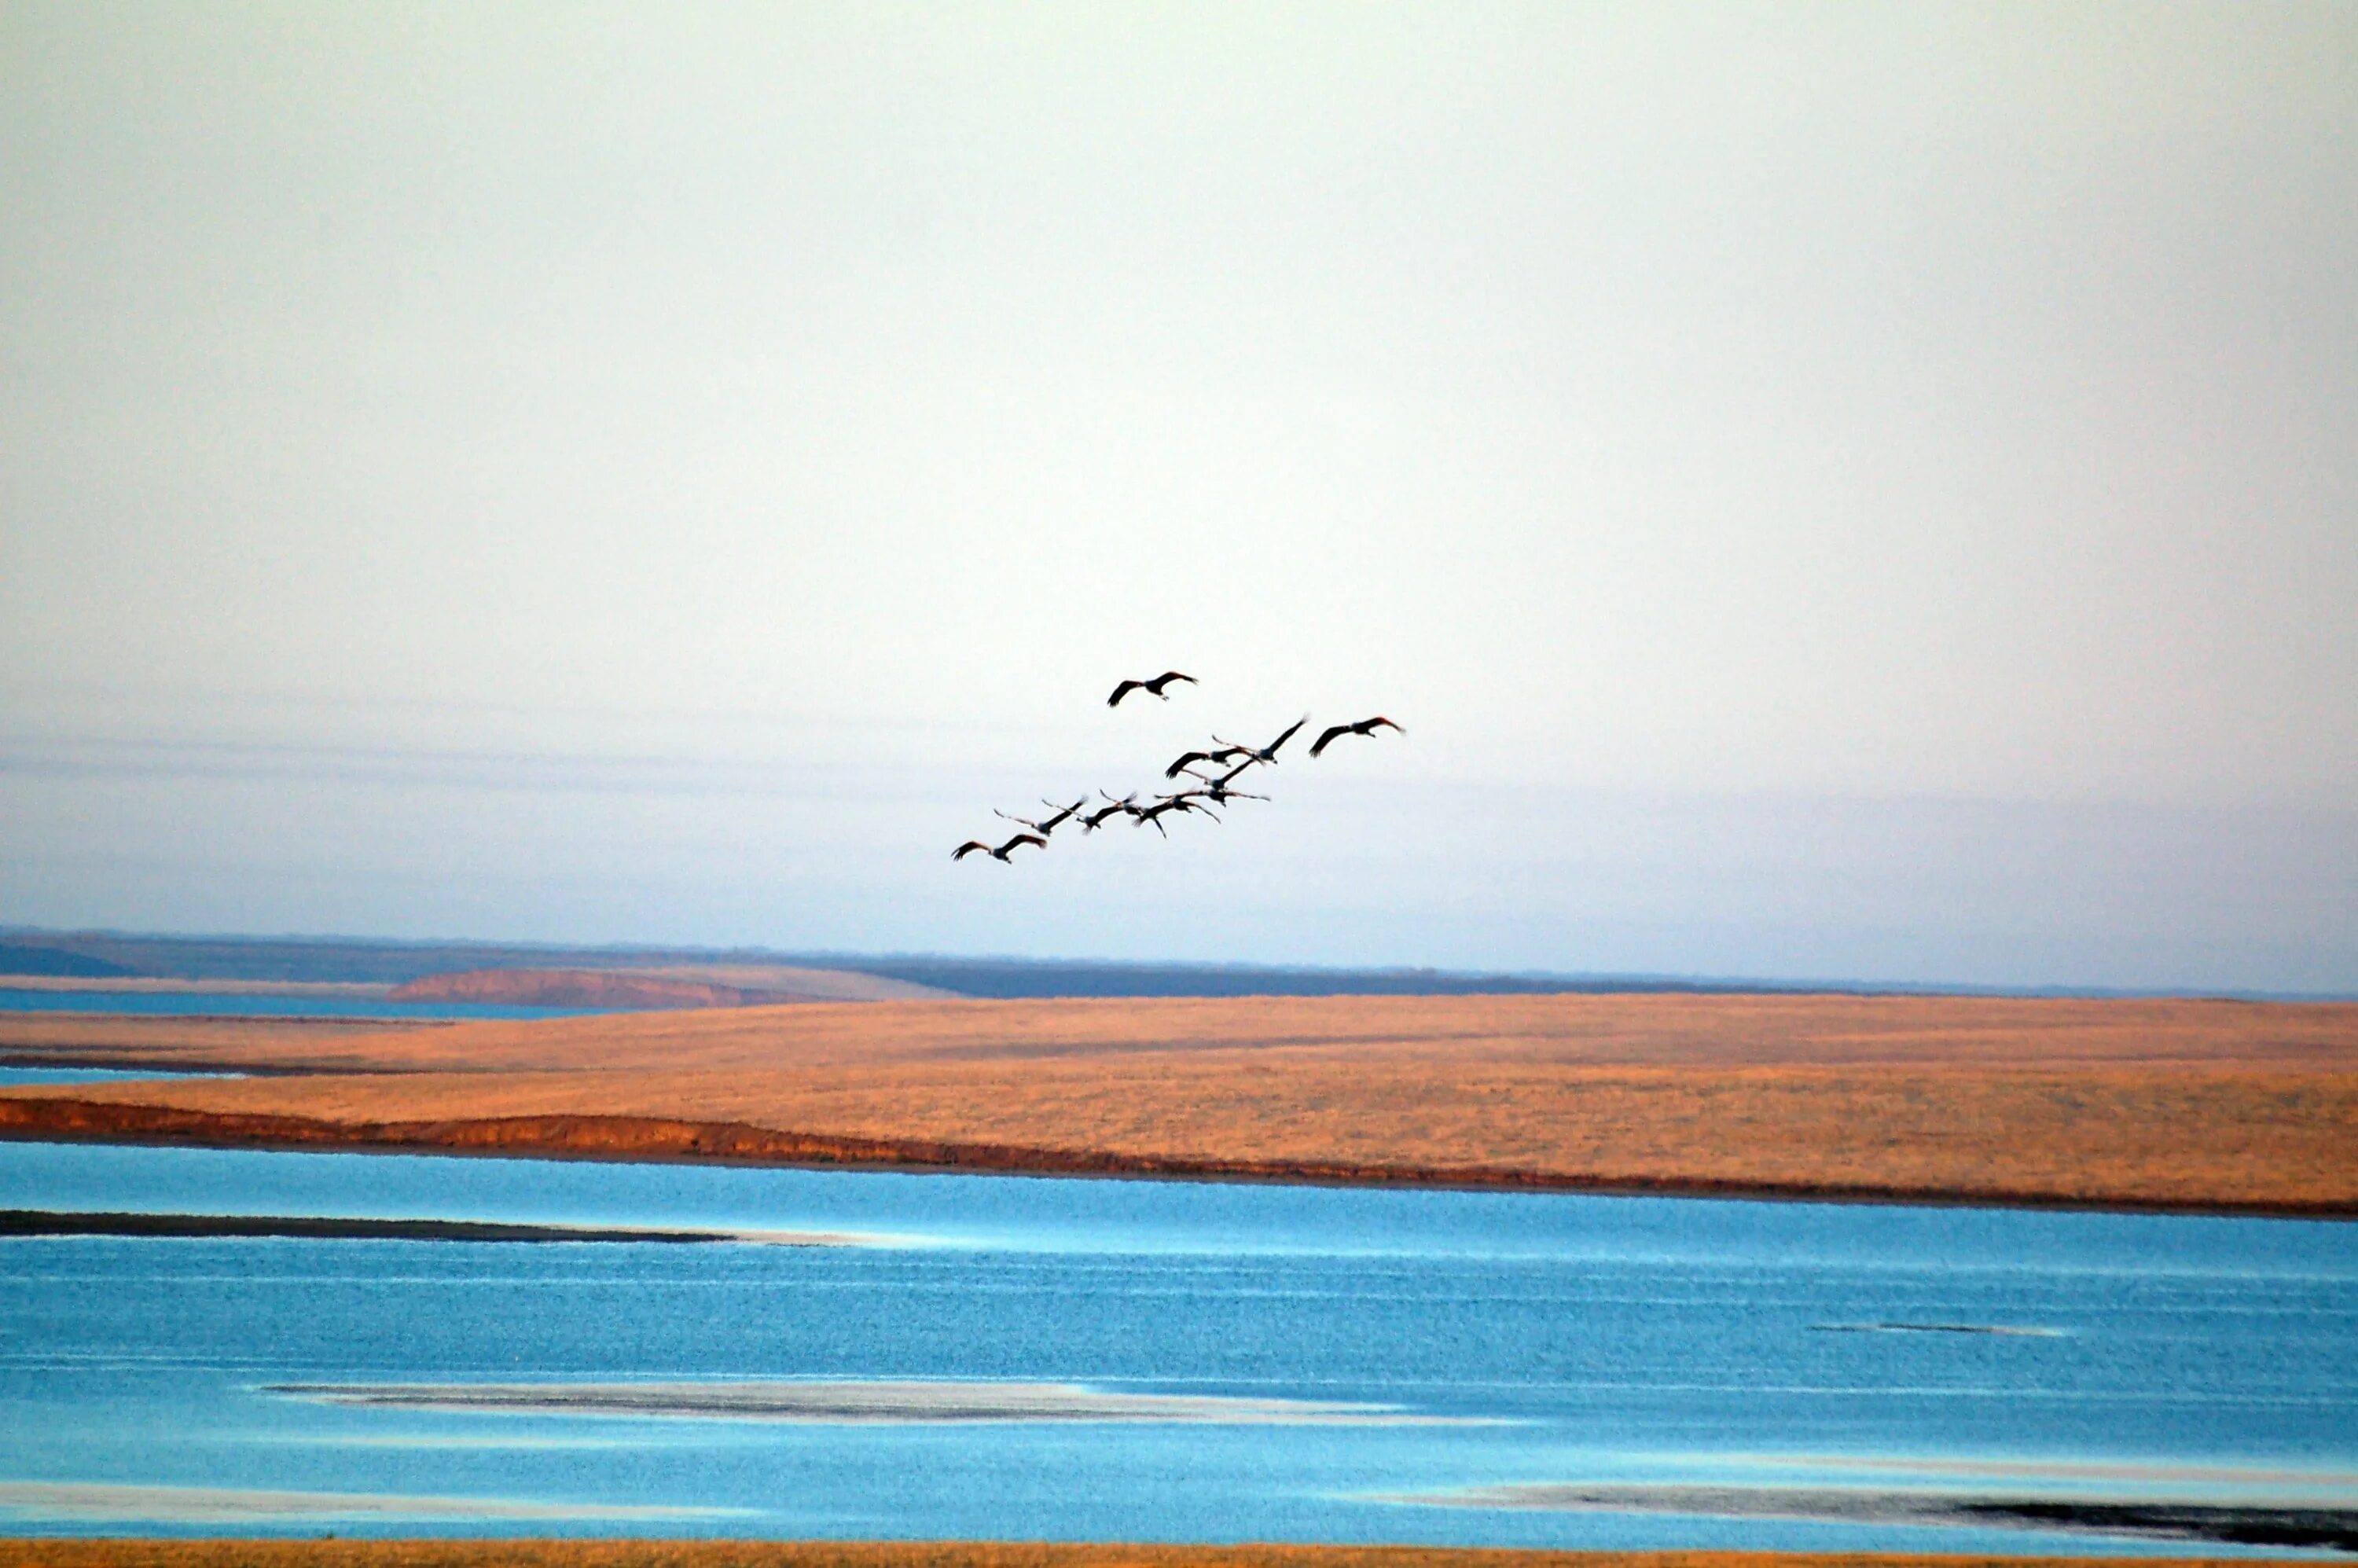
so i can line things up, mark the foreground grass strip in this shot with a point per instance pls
(636, 1138)
(333, 1554)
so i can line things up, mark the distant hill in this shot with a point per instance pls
(1017, 978)
(378, 962)
(40, 958)
(401, 962)
(679, 985)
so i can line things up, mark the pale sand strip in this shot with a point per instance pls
(229, 1505)
(2253, 1523)
(2051, 1470)
(858, 1401)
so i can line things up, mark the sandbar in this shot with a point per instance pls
(91, 1500)
(862, 1402)
(2296, 1525)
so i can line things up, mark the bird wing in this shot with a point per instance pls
(1271, 749)
(1124, 689)
(969, 847)
(1326, 738)
(1022, 838)
(1370, 726)
(1185, 758)
(1165, 678)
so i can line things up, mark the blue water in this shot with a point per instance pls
(1588, 1339)
(12, 1075)
(235, 1005)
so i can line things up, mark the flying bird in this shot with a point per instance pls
(1047, 825)
(999, 854)
(1185, 801)
(1096, 819)
(1224, 754)
(1154, 685)
(1268, 754)
(1226, 779)
(1364, 727)
(1217, 792)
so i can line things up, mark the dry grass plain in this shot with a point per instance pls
(2105, 1103)
(939, 1555)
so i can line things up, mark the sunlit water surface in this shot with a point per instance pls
(1557, 1339)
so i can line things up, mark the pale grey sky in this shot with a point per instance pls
(1845, 490)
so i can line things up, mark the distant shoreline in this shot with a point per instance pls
(152, 985)
(393, 961)
(653, 1141)
(18, 1222)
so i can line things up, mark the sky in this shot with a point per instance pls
(1830, 490)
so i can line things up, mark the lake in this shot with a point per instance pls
(1044, 1358)
(239, 1004)
(11, 1075)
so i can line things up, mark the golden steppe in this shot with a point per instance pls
(943, 1555)
(2125, 1103)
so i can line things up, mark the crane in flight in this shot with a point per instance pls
(1000, 853)
(1185, 801)
(1217, 792)
(1267, 754)
(1364, 727)
(1216, 757)
(1153, 686)
(1046, 824)
(1127, 804)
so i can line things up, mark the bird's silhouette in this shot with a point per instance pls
(1364, 727)
(1217, 792)
(1268, 754)
(1096, 819)
(1154, 686)
(1183, 802)
(1222, 781)
(1046, 824)
(1216, 757)
(1000, 853)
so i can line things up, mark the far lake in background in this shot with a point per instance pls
(12, 1075)
(1002, 1357)
(234, 1004)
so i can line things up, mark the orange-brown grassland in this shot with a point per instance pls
(2229, 1106)
(935, 1554)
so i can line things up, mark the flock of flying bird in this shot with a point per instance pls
(1209, 789)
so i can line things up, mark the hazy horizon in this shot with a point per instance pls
(1831, 493)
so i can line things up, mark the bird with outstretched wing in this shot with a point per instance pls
(1154, 688)
(1364, 727)
(1002, 851)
